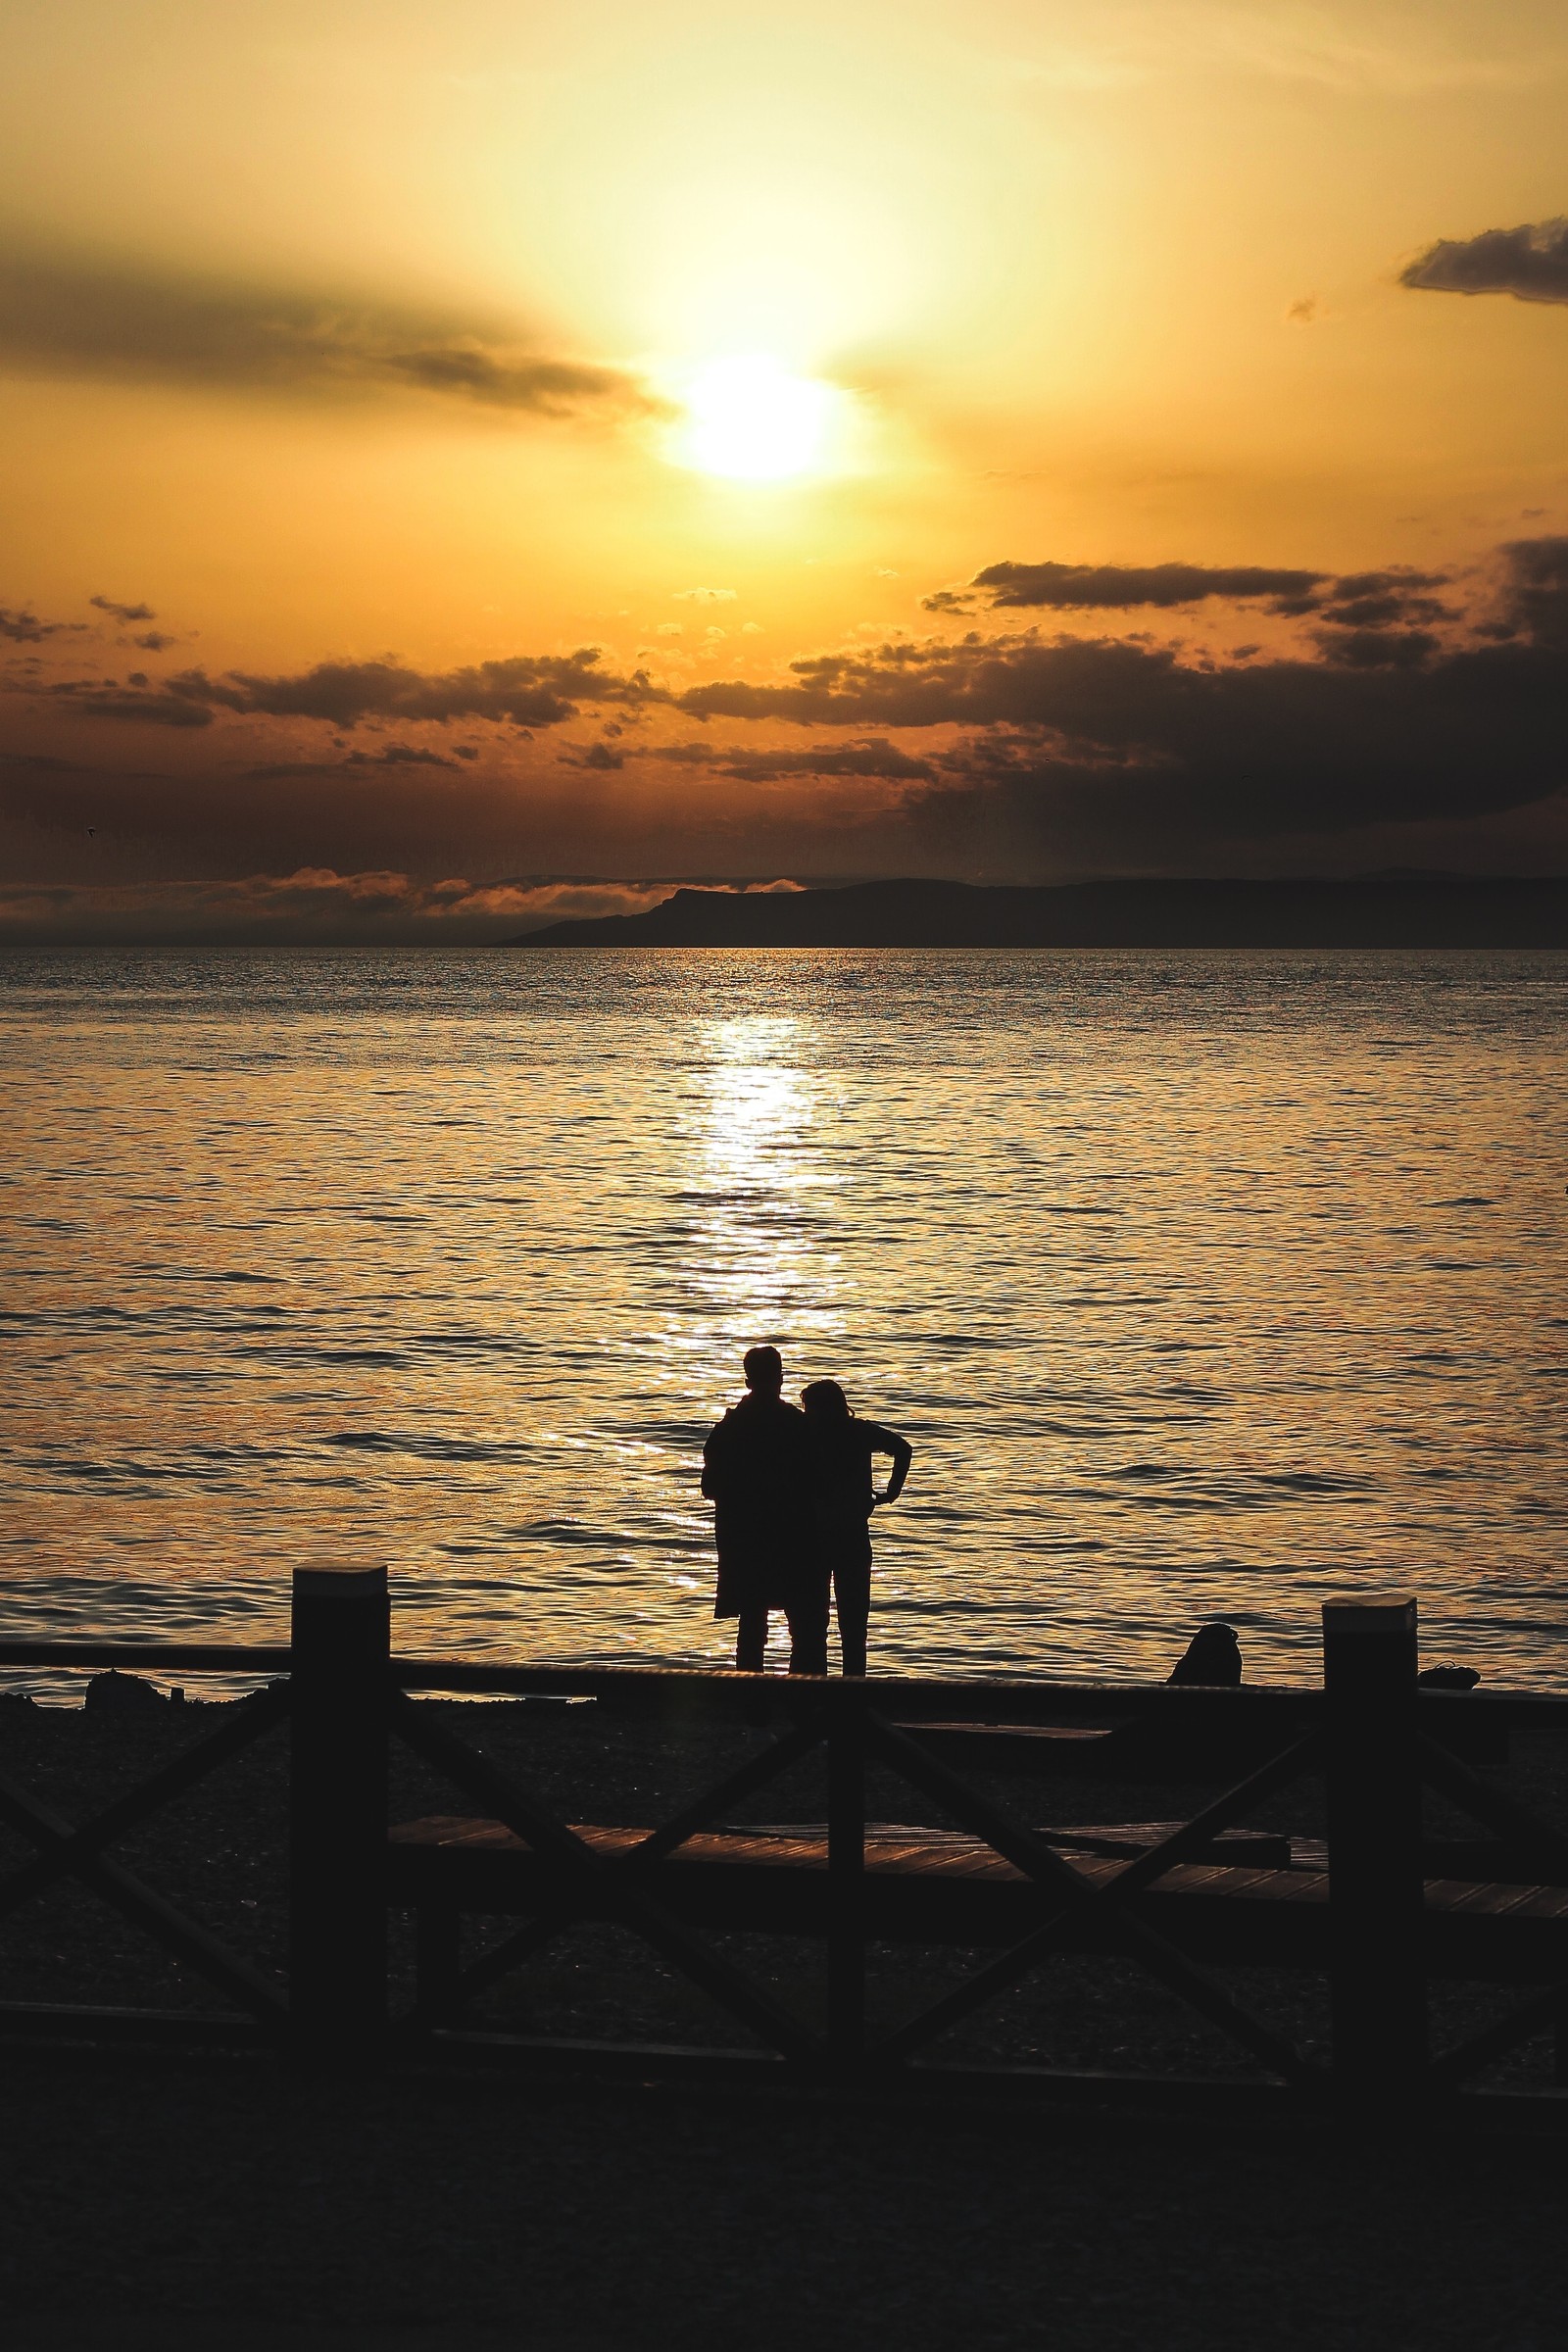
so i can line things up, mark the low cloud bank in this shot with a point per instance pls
(317, 908)
(312, 906)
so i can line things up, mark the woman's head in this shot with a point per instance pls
(825, 1401)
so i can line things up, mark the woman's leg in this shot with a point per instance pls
(852, 1594)
(751, 1640)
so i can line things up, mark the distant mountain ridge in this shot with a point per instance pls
(1376, 911)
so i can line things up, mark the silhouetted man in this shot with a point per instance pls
(755, 1472)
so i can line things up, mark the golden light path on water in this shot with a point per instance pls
(1202, 1286)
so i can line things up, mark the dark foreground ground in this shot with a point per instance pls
(194, 2204)
(206, 2201)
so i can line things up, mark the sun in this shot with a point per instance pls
(748, 418)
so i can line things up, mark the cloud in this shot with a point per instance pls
(528, 690)
(126, 613)
(1538, 591)
(202, 816)
(1400, 701)
(594, 755)
(704, 596)
(120, 321)
(26, 628)
(1081, 586)
(146, 707)
(1144, 752)
(1529, 263)
(876, 757)
(313, 904)
(391, 754)
(1362, 600)
(317, 905)
(44, 764)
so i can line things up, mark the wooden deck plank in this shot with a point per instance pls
(951, 1888)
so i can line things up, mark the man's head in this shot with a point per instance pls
(764, 1371)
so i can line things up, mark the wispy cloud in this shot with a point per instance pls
(75, 315)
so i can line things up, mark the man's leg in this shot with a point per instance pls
(852, 1594)
(808, 1617)
(751, 1640)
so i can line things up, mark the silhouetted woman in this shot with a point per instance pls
(843, 1499)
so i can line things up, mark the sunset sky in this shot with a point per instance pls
(457, 458)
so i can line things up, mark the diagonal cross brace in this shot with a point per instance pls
(65, 1859)
(117, 1887)
(1536, 2016)
(517, 1948)
(1492, 1807)
(1047, 1869)
(559, 1845)
(1501, 1813)
(1041, 1942)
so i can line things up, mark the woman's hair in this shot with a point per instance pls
(827, 1399)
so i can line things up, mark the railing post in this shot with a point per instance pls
(1374, 1829)
(845, 1873)
(337, 1811)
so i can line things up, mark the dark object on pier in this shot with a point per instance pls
(122, 1698)
(1447, 1678)
(1212, 1655)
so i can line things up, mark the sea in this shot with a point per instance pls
(1202, 1285)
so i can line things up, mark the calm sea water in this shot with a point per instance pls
(1201, 1284)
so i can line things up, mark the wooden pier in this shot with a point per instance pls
(1375, 1907)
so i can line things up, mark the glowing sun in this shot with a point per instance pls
(749, 419)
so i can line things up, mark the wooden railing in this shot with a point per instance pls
(1373, 1735)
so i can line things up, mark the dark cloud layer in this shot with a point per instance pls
(1400, 702)
(68, 314)
(1531, 263)
(874, 757)
(1080, 586)
(1105, 738)
(135, 704)
(1358, 600)
(526, 690)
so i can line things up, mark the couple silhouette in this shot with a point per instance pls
(792, 1498)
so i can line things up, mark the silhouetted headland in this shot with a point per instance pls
(1378, 911)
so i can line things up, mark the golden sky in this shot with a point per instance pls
(360, 366)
